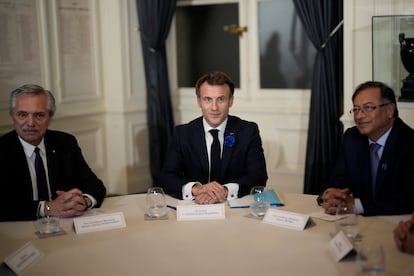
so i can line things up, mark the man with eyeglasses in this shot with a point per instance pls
(189, 172)
(43, 172)
(375, 167)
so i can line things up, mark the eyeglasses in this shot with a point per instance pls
(366, 108)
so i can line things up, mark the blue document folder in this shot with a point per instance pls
(275, 199)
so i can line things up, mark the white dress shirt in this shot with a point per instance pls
(381, 141)
(233, 188)
(30, 157)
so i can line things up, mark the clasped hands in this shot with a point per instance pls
(209, 193)
(404, 235)
(67, 204)
(332, 197)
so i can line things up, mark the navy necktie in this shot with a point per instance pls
(215, 156)
(373, 148)
(41, 176)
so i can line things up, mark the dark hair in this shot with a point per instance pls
(387, 94)
(215, 78)
(33, 89)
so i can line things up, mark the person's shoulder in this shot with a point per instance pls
(197, 122)
(353, 138)
(353, 132)
(59, 136)
(9, 135)
(236, 122)
(400, 125)
(183, 131)
(8, 138)
(402, 134)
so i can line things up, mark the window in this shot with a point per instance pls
(285, 55)
(203, 45)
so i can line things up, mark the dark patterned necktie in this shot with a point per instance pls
(215, 156)
(373, 148)
(41, 177)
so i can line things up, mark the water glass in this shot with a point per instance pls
(48, 225)
(156, 204)
(259, 202)
(347, 221)
(370, 259)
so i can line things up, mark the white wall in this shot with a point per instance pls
(103, 105)
(125, 99)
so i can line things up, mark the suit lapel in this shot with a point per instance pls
(52, 162)
(198, 142)
(24, 174)
(228, 151)
(387, 158)
(363, 167)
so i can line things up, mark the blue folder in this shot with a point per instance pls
(274, 198)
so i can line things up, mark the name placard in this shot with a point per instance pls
(285, 219)
(201, 212)
(23, 258)
(99, 222)
(340, 246)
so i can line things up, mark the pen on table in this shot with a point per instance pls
(171, 207)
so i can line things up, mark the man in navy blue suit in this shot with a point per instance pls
(389, 188)
(187, 174)
(68, 186)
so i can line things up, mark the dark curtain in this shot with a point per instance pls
(320, 19)
(154, 18)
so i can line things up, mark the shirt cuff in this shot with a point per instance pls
(358, 206)
(41, 209)
(233, 190)
(187, 194)
(93, 200)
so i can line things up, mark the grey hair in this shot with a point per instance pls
(33, 89)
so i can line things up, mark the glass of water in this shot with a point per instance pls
(347, 221)
(156, 204)
(259, 202)
(370, 259)
(48, 225)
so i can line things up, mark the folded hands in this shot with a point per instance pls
(67, 204)
(209, 193)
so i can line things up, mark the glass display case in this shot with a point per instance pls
(390, 34)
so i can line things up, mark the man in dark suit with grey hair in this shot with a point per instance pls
(42, 171)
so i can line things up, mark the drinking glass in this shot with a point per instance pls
(259, 201)
(156, 205)
(347, 221)
(370, 259)
(49, 224)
